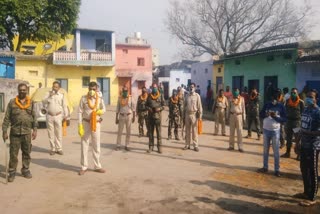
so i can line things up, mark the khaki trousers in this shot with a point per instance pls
(124, 120)
(191, 129)
(220, 117)
(236, 124)
(54, 126)
(95, 143)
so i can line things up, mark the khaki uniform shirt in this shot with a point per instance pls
(238, 109)
(193, 104)
(55, 104)
(126, 109)
(85, 111)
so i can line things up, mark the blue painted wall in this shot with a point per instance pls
(7, 71)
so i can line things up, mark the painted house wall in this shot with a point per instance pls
(39, 71)
(127, 65)
(307, 72)
(7, 71)
(257, 67)
(216, 74)
(88, 40)
(178, 77)
(200, 74)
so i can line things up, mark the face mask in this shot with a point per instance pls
(235, 93)
(154, 90)
(294, 95)
(309, 101)
(124, 94)
(92, 93)
(274, 102)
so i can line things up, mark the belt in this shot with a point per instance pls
(220, 107)
(236, 113)
(125, 114)
(88, 121)
(54, 114)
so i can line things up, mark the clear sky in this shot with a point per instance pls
(146, 16)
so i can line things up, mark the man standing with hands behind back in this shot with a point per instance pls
(20, 116)
(91, 108)
(56, 105)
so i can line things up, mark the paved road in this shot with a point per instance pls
(212, 181)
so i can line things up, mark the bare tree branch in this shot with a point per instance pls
(229, 26)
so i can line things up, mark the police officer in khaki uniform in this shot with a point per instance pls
(182, 116)
(237, 116)
(91, 108)
(219, 110)
(155, 105)
(55, 104)
(21, 117)
(124, 117)
(142, 111)
(193, 113)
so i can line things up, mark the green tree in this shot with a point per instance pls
(36, 20)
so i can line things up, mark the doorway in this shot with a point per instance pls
(104, 86)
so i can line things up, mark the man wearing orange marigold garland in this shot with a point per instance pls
(142, 111)
(253, 112)
(155, 105)
(91, 108)
(294, 108)
(219, 109)
(21, 117)
(237, 115)
(56, 105)
(193, 113)
(174, 115)
(124, 117)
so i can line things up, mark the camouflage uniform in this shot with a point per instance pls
(253, 115)
(142, 113)
(155, 106)
(293, 121)
(174, 117)
(22, 122)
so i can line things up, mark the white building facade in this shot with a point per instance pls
(201, 74)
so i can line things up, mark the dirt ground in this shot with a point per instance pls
(213, 180)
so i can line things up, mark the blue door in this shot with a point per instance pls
(104, 86)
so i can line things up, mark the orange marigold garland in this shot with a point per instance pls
(124, 101)
(280, 98)
(28, 102)
(155, 97)
(253, 97)
(93, 121)
(144, 96)
(220, 99)
(236, 101)
(293, 103)
(174, 100)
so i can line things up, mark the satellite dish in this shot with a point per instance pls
(47, 46)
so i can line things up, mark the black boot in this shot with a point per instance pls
(11, 176)
(159, 149)
(287, 154)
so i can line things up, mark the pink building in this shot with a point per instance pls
(134, 66)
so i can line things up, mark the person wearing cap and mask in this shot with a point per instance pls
(193, 113)
(55, 104)
(142, 112)
(310, 147)
(155, 105)
(220, 109)
(174, 115)
(237, 114)
(294, 108)
(273, 114)
(91, 108)
(21, 120)
(124, 117)
(253, 112)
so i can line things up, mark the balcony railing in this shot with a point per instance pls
(86, 58)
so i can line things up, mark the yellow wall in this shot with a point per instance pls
(215, 74)
(36, 71)
(39, 45)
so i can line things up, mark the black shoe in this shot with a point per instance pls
(26, 173)
(118, 148)
(277, 174)
(11, 176)
(196, 149)
(60, 152)
(285, 155)
(241, 150)
(186, 147)
(262, 170)
(230, 148)
(52, 153)
(248, 136)
(127, 149)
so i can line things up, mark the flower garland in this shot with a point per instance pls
(220, 99)
(293, 103)
(28, 102)
(155, 97)
(280, 98)
(124, 101)
(236, 101)
(143, 97)
(93, 121)
(253, 97)
(174, 100)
